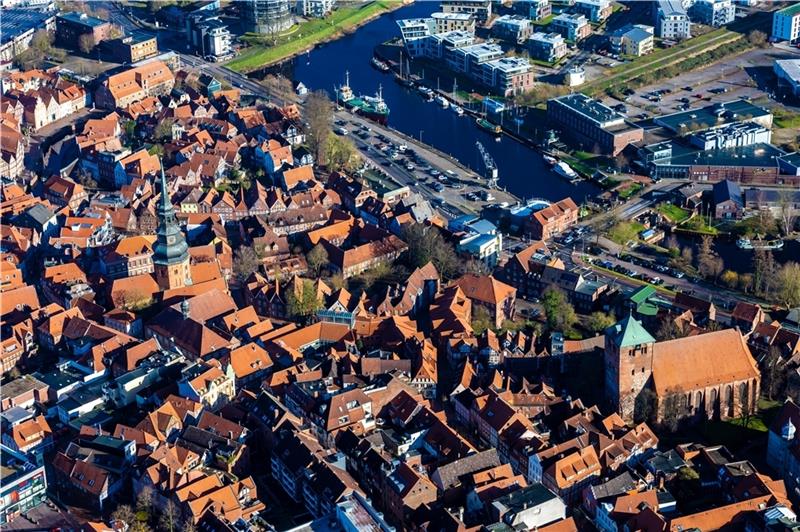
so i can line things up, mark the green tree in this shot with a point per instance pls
(560, 314)
(341, 155)
(730, 278)
(317, 258)
(600, 321)
(304, 304)
(319, 114)
(163, 130)
(481, 320)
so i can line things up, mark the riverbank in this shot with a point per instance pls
(311, 34)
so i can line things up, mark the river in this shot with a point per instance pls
(521, 169)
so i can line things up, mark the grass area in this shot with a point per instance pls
(544, 21)
(735, 433)
(697, 224)
(307, 35)
(674, 213)
(630, 190)
(785, 118)
(624, 232)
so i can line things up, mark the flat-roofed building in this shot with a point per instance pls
(512, 28)
(70, 27)
(594, 10)
(635, 40)
(671, 20)
(714, 116)
(480, 9)
(136, 46)
(444, 22)
(592, 124)
(17, 27)
(24, 484)
(534, 9)
(548, 47)
(786, 24)
(713, 12)
(788, 73)
(507, 75)
(572, 26)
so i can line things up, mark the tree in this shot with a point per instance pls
(670, 330)
(481, 320)
(157, 150)
(746, 282)
(788, 284)
(730, 278)
(317, 257)
(169, 517)
(341, 155)
(426, 244)
(124, 513)
(705, 257)
(560, 314)
(600, 321)
(86, 43)
(319, 114)
(115, 32)
(42, 41)
(773, 377)
(304, 304)
(188, 526)
(163, 130)
(144, 504)
(245, 262)
(672, 410)
(279, 85)
(786, 211)
(757, 38)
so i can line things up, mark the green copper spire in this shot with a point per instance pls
(629, 332)
(170, 246)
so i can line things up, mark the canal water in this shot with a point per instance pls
(521, 169)
(741, 260)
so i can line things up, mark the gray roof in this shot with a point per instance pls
(525, 498)
(40, 214)
(450, 474)
(727, 190)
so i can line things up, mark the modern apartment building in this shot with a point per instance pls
(71, 26)
(267, 16)
(671, 20)
(480, 9)
(132, 48)
(713, 12)
(315, 8)
(786, 24)
(512, 28)
(444, 22)
(572, 26)
(633, 40)
(210, 37)
(548, 47)
(594, 10)
(534, 9)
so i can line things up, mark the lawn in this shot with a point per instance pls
(630, 190)
(785, 118)
(697, 224)
(543, 22)
(674, 213)
(623, 232)
(306, 36)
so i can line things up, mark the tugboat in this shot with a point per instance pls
(380, 65)
(373, 107)
(442, 101)
(344, 94)
(565, 171)
(488, 126)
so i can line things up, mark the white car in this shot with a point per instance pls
(342, 131)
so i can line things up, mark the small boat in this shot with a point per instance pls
(426, 93)
(457, 110)
(442, 101)
(488, 126)
(565, 171)
(380, 65)
(746, 243)
(551, 161)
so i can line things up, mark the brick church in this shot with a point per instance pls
(707, 376)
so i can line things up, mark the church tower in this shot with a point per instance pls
(170, 253)
(628, 366)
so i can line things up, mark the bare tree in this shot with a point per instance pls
(86, 43)
(245, 262)
(169, 517)
(786, 211)
(319, 114)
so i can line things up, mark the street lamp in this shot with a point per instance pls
(421, 131)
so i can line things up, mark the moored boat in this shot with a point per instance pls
(551, 161)
(380, 65)
(488, 126)
(457, 110)
(565, 171)
(746, 243)
(442, 101)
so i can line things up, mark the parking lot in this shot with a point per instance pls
(748, 76)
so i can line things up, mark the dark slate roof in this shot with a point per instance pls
(450, 474)
(727, 190)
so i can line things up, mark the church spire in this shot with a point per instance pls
(170, 252)
(165, 202)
